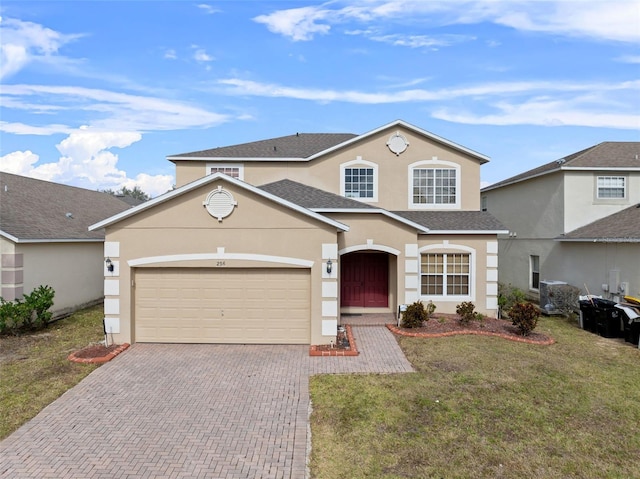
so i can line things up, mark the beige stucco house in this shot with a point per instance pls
(44, 240)
(574, 220)
(272, 241)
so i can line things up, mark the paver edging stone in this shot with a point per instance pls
(100, 359)
(394, 329)
(352, 351)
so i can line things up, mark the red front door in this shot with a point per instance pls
(364, 280)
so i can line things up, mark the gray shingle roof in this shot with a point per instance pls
(38, 210)
(300, 145)
(310, 197)
(621, 227)
(317, 199)
(609, 154)
(454, 220)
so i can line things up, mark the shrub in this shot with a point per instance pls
(416, 313)
(524, 316)
(508, 295)
(39, 301)
(31, 312)
(13, 316)
(466, 312)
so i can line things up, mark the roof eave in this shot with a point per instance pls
(598, 240)
(234, 159)
(17, 240)
(209, 179)
(421, 229)
(469, 232)
(482, 158)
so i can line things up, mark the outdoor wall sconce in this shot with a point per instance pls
(109, 264)
(329, 266)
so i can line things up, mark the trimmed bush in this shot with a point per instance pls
(508, 295)
(466, 312)
(524, 316)
(416, 314)
(31, 312)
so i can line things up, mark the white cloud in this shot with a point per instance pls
(208, 9)
(87, 161)
(200, 55)
(299, 24)
(544, 112)
(113, 110)
(421, 41)
(562, 103)
(19, 162)
(26, 42)
(629, 59)
(170, 54)
(600, 20)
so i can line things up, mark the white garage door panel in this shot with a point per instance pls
(222, 305)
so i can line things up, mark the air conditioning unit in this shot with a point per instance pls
(546, 300)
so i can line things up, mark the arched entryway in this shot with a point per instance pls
(364, 280)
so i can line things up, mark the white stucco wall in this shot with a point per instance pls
(73, 270)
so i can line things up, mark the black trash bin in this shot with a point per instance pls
(588, 312)
(631, 329)
(608, 319)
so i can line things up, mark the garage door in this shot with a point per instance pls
(262, 306)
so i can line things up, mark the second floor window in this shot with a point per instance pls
(611, 187)
(233, 172)
(358, 182)
(434, 186)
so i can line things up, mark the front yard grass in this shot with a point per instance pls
(34, 370)
(485, 408)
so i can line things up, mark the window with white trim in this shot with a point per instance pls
(534, 268)
(434, 184)
(611, 187)
(359, 180)
(445, 274)
(233, 170)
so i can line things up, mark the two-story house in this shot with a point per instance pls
(271, 241)
(575, 220)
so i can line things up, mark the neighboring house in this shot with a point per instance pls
(574, 220)
(44, 240)
(339, 224)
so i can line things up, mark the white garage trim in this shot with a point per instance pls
(220, 256)
(231, 305)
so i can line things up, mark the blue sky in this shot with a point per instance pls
(97, 94)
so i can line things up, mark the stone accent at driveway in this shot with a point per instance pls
(188, 411)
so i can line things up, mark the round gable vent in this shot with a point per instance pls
(397, 143)
(219, 203)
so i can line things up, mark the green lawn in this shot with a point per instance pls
(484, 408)
(34, 369)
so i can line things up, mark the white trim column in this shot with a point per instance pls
(330, 290)
(112, 288)
(411, 276)
(492, 276)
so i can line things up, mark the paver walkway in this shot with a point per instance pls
(188, 411)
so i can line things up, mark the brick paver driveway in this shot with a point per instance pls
(187, 411)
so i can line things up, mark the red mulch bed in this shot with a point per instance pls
(448, 325)
(97, 353)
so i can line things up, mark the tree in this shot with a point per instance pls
(136, 193)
